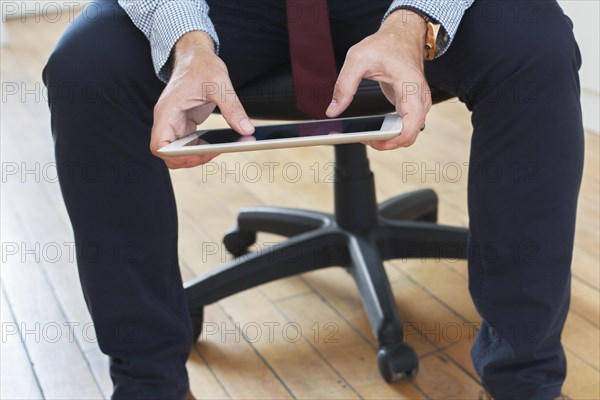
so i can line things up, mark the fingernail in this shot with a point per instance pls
(247, 126)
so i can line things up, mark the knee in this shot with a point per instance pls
(73, 71)
(549, 72)
(540, 66)
(59, 68)
(515, 58)
(99, 59)
(554, 56)
(73, 80)
(544, 52)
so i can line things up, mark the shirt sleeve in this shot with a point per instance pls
(447, 12)
(164, 22)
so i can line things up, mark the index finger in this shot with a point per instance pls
(231, 108)
(346, 86)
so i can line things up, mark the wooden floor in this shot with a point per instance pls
(304, 337)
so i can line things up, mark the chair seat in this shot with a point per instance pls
(271, 96)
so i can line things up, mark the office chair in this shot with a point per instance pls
(359, 236)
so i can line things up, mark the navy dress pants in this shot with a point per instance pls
(513, 64)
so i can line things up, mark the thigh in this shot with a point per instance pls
(252, 33)
(352, 21)
(499, 41)
(253, 36)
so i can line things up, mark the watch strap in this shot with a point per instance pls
(435, 38)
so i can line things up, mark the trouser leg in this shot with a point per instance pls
(515, 65)
(102, 90)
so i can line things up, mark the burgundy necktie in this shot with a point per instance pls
(312, 55)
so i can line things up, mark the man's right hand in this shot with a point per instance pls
(199, 83)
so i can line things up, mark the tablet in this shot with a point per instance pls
(311, 133)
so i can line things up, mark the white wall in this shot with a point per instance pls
(585, 15)
(3, 37)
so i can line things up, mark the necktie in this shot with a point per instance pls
(312, 55)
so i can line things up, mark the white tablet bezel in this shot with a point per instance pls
(391, 127)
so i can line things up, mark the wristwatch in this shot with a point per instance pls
(435, 38)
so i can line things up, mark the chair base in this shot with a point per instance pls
(405, 229)
(359, 237)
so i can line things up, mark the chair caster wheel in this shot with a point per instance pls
(237, 241)
(197, 317)
(397, 361)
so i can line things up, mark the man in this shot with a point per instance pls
(513, 64)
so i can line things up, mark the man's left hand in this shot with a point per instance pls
(394, 57)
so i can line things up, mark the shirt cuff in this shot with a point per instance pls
(447, 13)
(171, 21)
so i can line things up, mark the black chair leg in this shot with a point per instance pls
(301, 253)
(419, 205)
(277, 220)
(395, 358)
(281, 221)
(416, 239)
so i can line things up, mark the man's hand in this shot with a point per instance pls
(199, 83)
(394, 57)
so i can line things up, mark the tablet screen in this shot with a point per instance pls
(272, 132)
